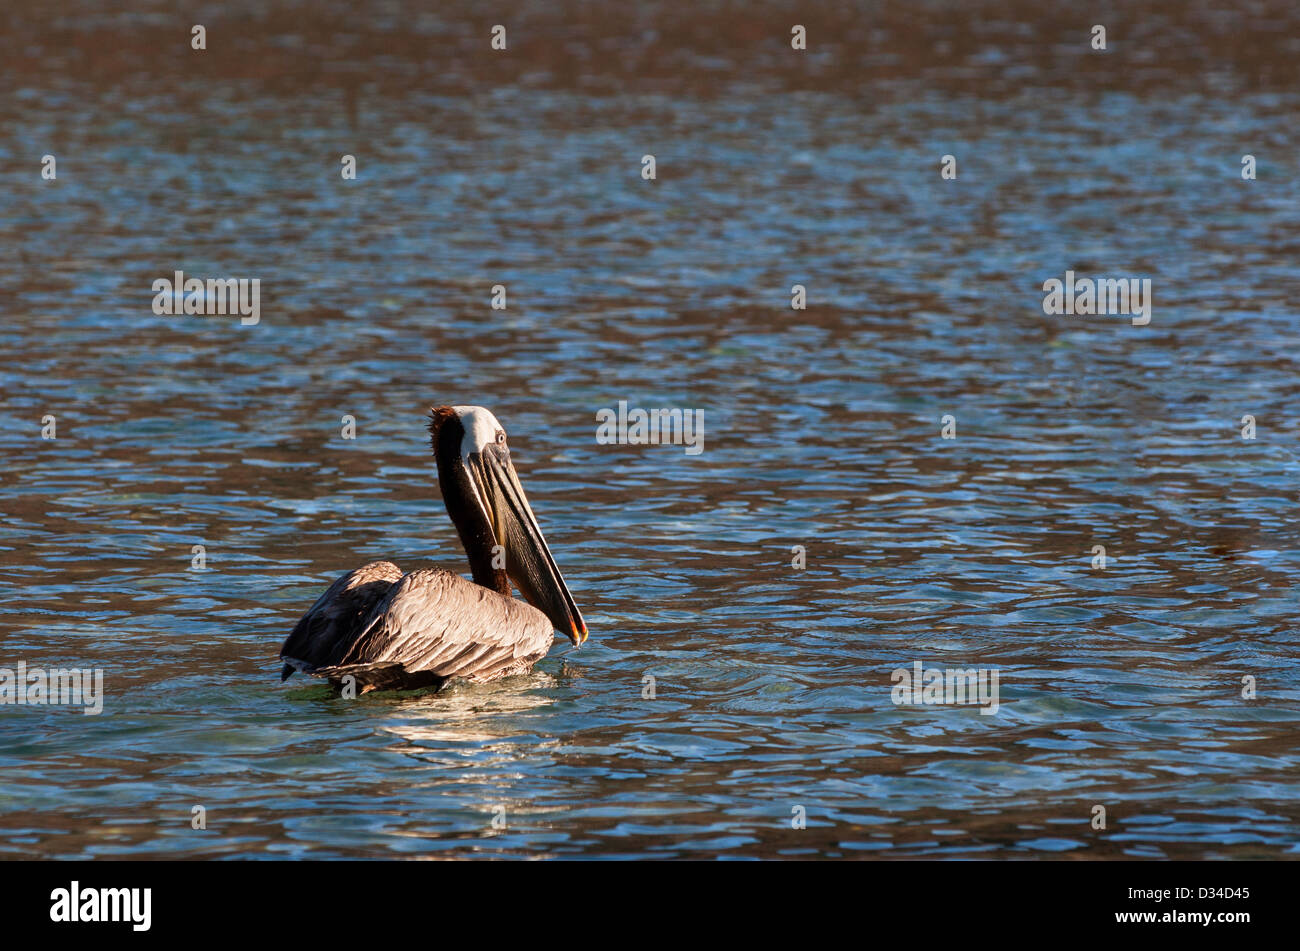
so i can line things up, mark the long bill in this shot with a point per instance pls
(528, 561)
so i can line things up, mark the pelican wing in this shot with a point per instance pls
(437, 625)
(326, 631)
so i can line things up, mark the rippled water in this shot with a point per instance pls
(1119, 687)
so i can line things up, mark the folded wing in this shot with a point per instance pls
(433, 625)
(339, 615)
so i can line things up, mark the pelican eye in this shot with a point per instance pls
(501, 437)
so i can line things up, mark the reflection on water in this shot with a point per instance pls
(1119, 687)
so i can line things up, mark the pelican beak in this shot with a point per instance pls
(528, 561)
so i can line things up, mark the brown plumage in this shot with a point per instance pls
(379, 629)
(441, 625)
(322, 637)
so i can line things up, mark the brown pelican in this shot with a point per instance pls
(393, 631)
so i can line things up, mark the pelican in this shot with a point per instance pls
(390, 631)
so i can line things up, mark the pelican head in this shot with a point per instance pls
(490, 511)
